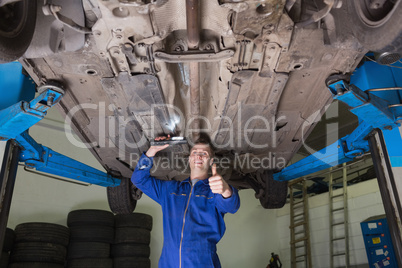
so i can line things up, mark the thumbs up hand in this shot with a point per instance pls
(218, 185)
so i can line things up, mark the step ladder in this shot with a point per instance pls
(338, 222)
(299, 225)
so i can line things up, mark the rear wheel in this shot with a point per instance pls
(121, 198)
(378, 27)
(17, 26)
(274, 193)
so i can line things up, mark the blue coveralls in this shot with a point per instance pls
(192, 217)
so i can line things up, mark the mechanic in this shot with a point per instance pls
(193, 209)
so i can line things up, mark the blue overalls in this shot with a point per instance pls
(192, 217)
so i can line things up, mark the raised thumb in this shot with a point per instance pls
(214, 170)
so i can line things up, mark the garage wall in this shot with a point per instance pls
(251, 233)
(364, 201)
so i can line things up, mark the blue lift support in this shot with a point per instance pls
(15, 121)
(374, 95)
(19, 110)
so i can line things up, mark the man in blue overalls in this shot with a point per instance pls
(193, 209)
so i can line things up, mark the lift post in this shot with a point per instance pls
(8, 172)
(389, 178)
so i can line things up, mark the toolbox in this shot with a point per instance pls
(377, 239)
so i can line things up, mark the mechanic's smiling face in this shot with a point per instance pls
(200, 157)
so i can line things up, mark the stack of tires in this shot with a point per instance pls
(39, 245)
(8, 244)
(132, 238)
(92, 233)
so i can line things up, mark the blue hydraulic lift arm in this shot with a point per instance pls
(376, 108)
(22, 115)
(19, 117)
(44, 159)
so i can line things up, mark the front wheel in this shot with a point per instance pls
(17, 26)
(377, 26)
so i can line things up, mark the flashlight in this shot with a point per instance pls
(171, 141)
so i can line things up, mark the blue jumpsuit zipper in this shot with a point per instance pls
(191, 210)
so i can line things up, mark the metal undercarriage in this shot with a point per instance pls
(261, 79)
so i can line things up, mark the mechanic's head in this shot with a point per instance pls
(201, 154)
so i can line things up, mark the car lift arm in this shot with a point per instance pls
(44, 159)
(374, 112)
(18, 118)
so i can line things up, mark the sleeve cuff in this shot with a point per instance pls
(230, 197)
(145, 162)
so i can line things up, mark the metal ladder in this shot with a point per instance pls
(299, 226)
(334, 239)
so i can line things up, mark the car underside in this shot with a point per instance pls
(251, 75)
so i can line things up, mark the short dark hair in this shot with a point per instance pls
(204, 139)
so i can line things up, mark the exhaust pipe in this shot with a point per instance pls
(193, 29)
(386, 58)
(193, 40)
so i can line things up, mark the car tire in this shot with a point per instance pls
(132, 235)
(84, 217)
(139, 220)
(9, 238)
(131, 262)
(92, 233)
(130, 250)
(16, 32)
(4, 260)
(80, 250)
(38, 252)
(274, 192)
(380, 32)
(90, 263)
(35, 265)
(120, 197)
(42, 232)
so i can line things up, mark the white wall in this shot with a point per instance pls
(252, 233)
(364, 201)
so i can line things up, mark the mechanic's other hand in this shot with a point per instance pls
(154, 149)
(218, 185)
